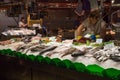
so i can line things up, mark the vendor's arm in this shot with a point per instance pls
(22, 24)
(79, 30)
(103, 29)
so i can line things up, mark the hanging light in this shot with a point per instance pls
(113, 1)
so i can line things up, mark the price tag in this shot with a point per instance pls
(99, 41)
(109, 46)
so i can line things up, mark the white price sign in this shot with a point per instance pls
(109, 46)
(99, 41)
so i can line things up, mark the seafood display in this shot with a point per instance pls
(20, 31)
(39, 46)
(103, 55)
(99, 53)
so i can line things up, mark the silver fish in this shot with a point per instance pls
(69, 51)
(77, 53)
(47, 49)
(38, 48)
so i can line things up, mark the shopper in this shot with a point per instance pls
(22, 23)
(92, 25)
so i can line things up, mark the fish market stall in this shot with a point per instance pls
(96, 57)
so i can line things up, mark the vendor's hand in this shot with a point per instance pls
(26, 24)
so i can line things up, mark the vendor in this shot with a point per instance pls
(92, 25)
(22, 23)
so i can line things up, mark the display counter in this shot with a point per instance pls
(36, 66)
(16, 68)
(17, 65)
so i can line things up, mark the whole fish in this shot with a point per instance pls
(77, 53)
(33, 47)
(69, 51)
(58, 50)
(115, 58)
(38, 48)
(50, 48)
(20, 48)
(51, 53)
